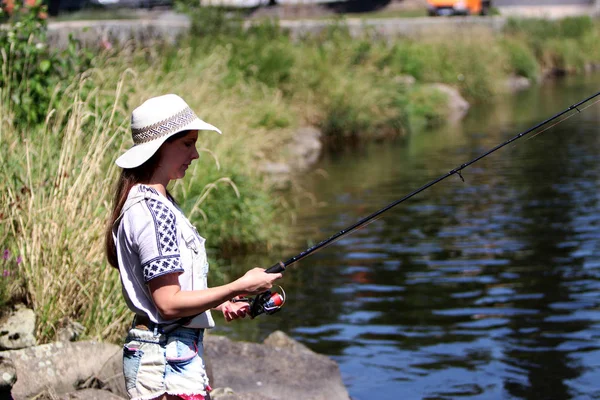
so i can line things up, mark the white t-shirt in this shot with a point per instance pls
(154, 238)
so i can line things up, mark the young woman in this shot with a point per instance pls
(162, 261)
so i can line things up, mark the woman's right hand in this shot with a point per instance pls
(257, 281)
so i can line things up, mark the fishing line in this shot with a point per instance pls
(281, 266)
(564, 119)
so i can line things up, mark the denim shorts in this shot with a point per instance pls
(155, 363)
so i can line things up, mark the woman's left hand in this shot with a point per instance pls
(235, 310)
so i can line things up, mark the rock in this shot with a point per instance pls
(246, 371)
(457, 105)
(591, 67)
(110, 374)
(305, 149)
(278, 174)
(69, 331)
(272, 168)
(278, 339)
(302, 152)
(8, 377)
(288, 371)
(61, 366)
(18, 331)
(229, 394)
(405, 80)
(517, 83)
(90, 394)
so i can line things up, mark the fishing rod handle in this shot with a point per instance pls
(279, 267)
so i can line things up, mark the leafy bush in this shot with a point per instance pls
(211, 21)
(426, 108)
(538, 32)
(521, 59)
(237, 208)
(31, 77)
(564, 55)
(575, 27)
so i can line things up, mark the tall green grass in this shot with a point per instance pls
(55, 184)
(567, 44)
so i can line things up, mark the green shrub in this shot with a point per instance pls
(532, 27)
(538, 32)
(229, 207)
(522, 61)
(343, 120)
(426, 108)
(32, 74)
(564, 55)
(408, 57)
(213, 22)
(575, 27)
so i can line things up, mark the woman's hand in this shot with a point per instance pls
(256, 281)
(235, 310)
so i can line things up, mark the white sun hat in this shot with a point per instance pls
(154, 122)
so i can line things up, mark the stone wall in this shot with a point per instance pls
(99, 33)
(145, 32)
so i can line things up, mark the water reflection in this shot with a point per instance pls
(542, 348)
(482, 289)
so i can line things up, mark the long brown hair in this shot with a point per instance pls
(128, 179)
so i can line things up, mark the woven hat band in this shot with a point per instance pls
(164, 127)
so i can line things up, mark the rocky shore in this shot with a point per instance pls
(69, 369)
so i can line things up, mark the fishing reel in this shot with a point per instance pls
(264, 303)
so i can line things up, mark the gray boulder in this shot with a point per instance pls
(279, 368)
(8, 377)
(515, 84)
(305, 149)
(90, 394)
(301, 153)
(229, 394)
(456, 105)
(110, 374)
(69, 330)
(18, 330)
(62, 367)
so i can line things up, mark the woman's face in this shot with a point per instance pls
(177, 155)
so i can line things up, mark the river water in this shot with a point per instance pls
(485, 289)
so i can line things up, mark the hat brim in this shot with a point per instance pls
(139, 154)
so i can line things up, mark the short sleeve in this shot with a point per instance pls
(157, 242)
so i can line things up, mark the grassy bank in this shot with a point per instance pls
(64, 119)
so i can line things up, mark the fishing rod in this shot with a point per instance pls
(270, 303)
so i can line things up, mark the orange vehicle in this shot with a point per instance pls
(458, 7)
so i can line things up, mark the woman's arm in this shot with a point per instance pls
(172, 302)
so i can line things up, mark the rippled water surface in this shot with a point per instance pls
(485, 289)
